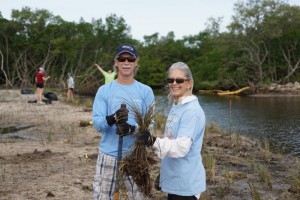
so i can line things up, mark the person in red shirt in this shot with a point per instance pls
(40, 83)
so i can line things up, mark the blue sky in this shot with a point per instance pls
(145, 17)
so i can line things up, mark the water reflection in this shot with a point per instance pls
(276, 118)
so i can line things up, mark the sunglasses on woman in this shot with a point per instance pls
(123, 59)
(177, 80)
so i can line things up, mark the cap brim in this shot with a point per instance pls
(126, 52)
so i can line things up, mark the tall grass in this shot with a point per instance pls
(267, 151)
(295, 181)
(237, 144)
(255, 195)
(264, 175)
(209, 163)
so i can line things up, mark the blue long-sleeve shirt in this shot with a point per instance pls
(108, 100)
(185, 121)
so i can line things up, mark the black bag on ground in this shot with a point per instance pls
(50, 95)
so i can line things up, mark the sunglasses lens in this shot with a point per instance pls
(179, 80)
(131, 59)
(120, 59)
(170, 80)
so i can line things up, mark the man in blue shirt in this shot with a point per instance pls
(106, 112)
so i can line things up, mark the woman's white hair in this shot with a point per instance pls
(187, 73)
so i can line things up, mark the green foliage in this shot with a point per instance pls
(206, 85)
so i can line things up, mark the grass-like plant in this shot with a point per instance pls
(222, 190)
(295, 181)
(225, 185)
(210, 165)
(264, 175)
(214, 127)
(255, 195)
(237, 144)
(3, 174)
(139, 161)
(267, 149)
(227, 176)
(50, 135)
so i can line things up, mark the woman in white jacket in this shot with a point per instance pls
(182, 174)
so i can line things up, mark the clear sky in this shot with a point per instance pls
(145, 17)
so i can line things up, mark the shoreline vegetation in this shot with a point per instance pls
(274, 89)
(53, 154)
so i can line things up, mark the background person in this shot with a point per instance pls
(106, 112)
(40, 80)
(182, 174)
(109, 76)
(70, 83)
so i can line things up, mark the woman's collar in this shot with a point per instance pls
(185, 99)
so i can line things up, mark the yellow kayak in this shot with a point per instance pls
(233, 92)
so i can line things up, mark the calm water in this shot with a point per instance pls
(275, 118)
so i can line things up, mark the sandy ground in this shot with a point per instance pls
(52, 157)
(53, 152)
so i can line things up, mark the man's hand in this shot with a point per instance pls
(121, 116)
(111, 120)
(124, 129)
(145, 138)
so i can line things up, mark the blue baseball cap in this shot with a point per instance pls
(126, 48)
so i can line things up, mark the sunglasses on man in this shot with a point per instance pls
(177, 80)
(123, 59)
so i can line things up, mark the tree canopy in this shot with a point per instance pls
(260, 46)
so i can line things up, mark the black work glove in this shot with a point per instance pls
(111, 120)
(124, 129)
(120, 116)
(145, 138)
